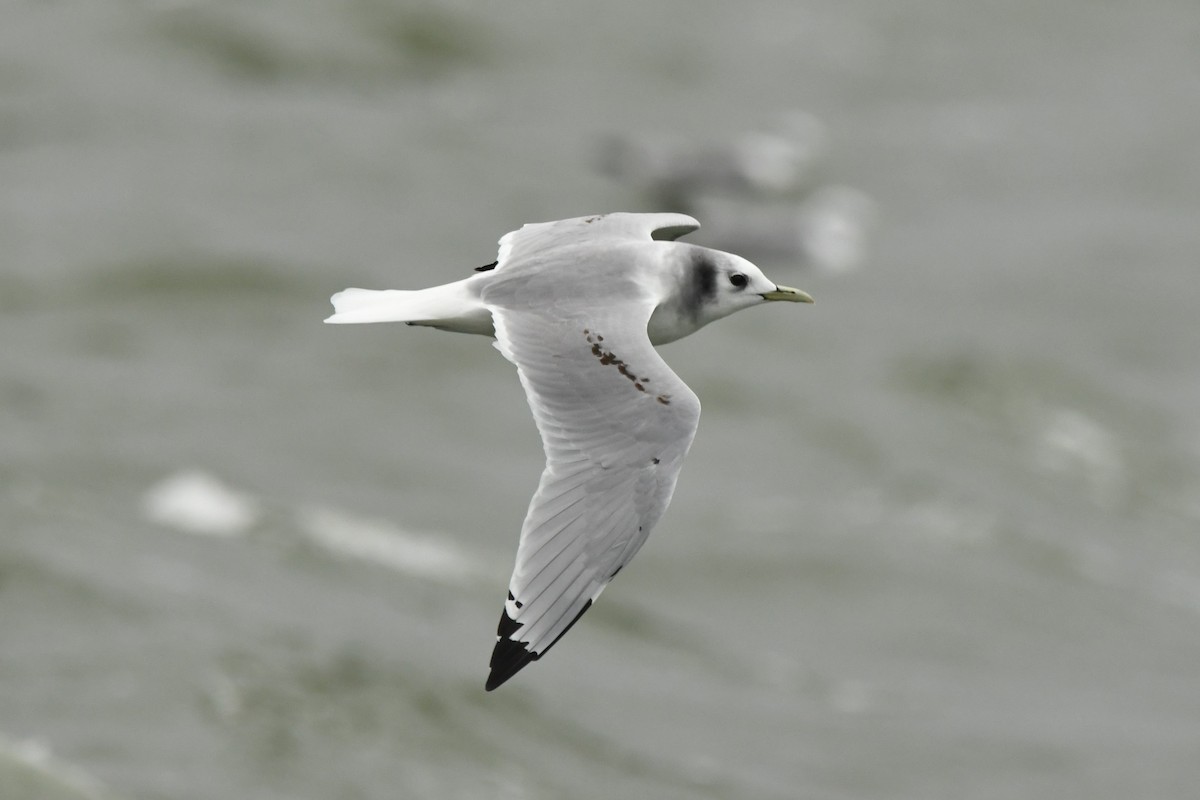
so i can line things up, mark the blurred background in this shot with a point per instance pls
(937, 537)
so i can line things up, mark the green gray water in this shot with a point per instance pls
(937, 537)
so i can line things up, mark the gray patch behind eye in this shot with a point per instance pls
(700, 283)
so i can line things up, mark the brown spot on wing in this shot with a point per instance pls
(609, 358)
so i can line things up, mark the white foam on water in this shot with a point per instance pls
(384, 543)
(193, 501)
(35, 755)
(835, 228)
(1073, 445)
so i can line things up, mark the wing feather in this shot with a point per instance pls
(522, 245)
(613, 448)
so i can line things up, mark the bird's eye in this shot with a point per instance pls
(738, 280)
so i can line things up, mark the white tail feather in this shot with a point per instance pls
(371, 305)
(454, 307)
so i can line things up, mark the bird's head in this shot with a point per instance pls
(711, 284)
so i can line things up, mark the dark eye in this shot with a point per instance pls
(738, 279)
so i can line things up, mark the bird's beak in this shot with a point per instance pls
(789, 294)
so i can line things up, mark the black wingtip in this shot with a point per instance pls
(510, 657)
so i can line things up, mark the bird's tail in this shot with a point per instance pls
(452, 307)
(370, 305)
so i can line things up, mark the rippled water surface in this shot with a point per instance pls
(937, 537)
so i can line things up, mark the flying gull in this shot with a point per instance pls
(579, 305)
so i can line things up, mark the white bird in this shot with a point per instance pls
(578, 305)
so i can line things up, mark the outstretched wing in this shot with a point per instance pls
(615, 422)
(522, 245)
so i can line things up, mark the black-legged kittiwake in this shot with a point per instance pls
(578, 305)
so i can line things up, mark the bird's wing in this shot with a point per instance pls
(523, 245)
(616, 423)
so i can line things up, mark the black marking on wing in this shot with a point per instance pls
(486, 267)
(510, 657)
(609, 358)
(507, 627)
(507, 660)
